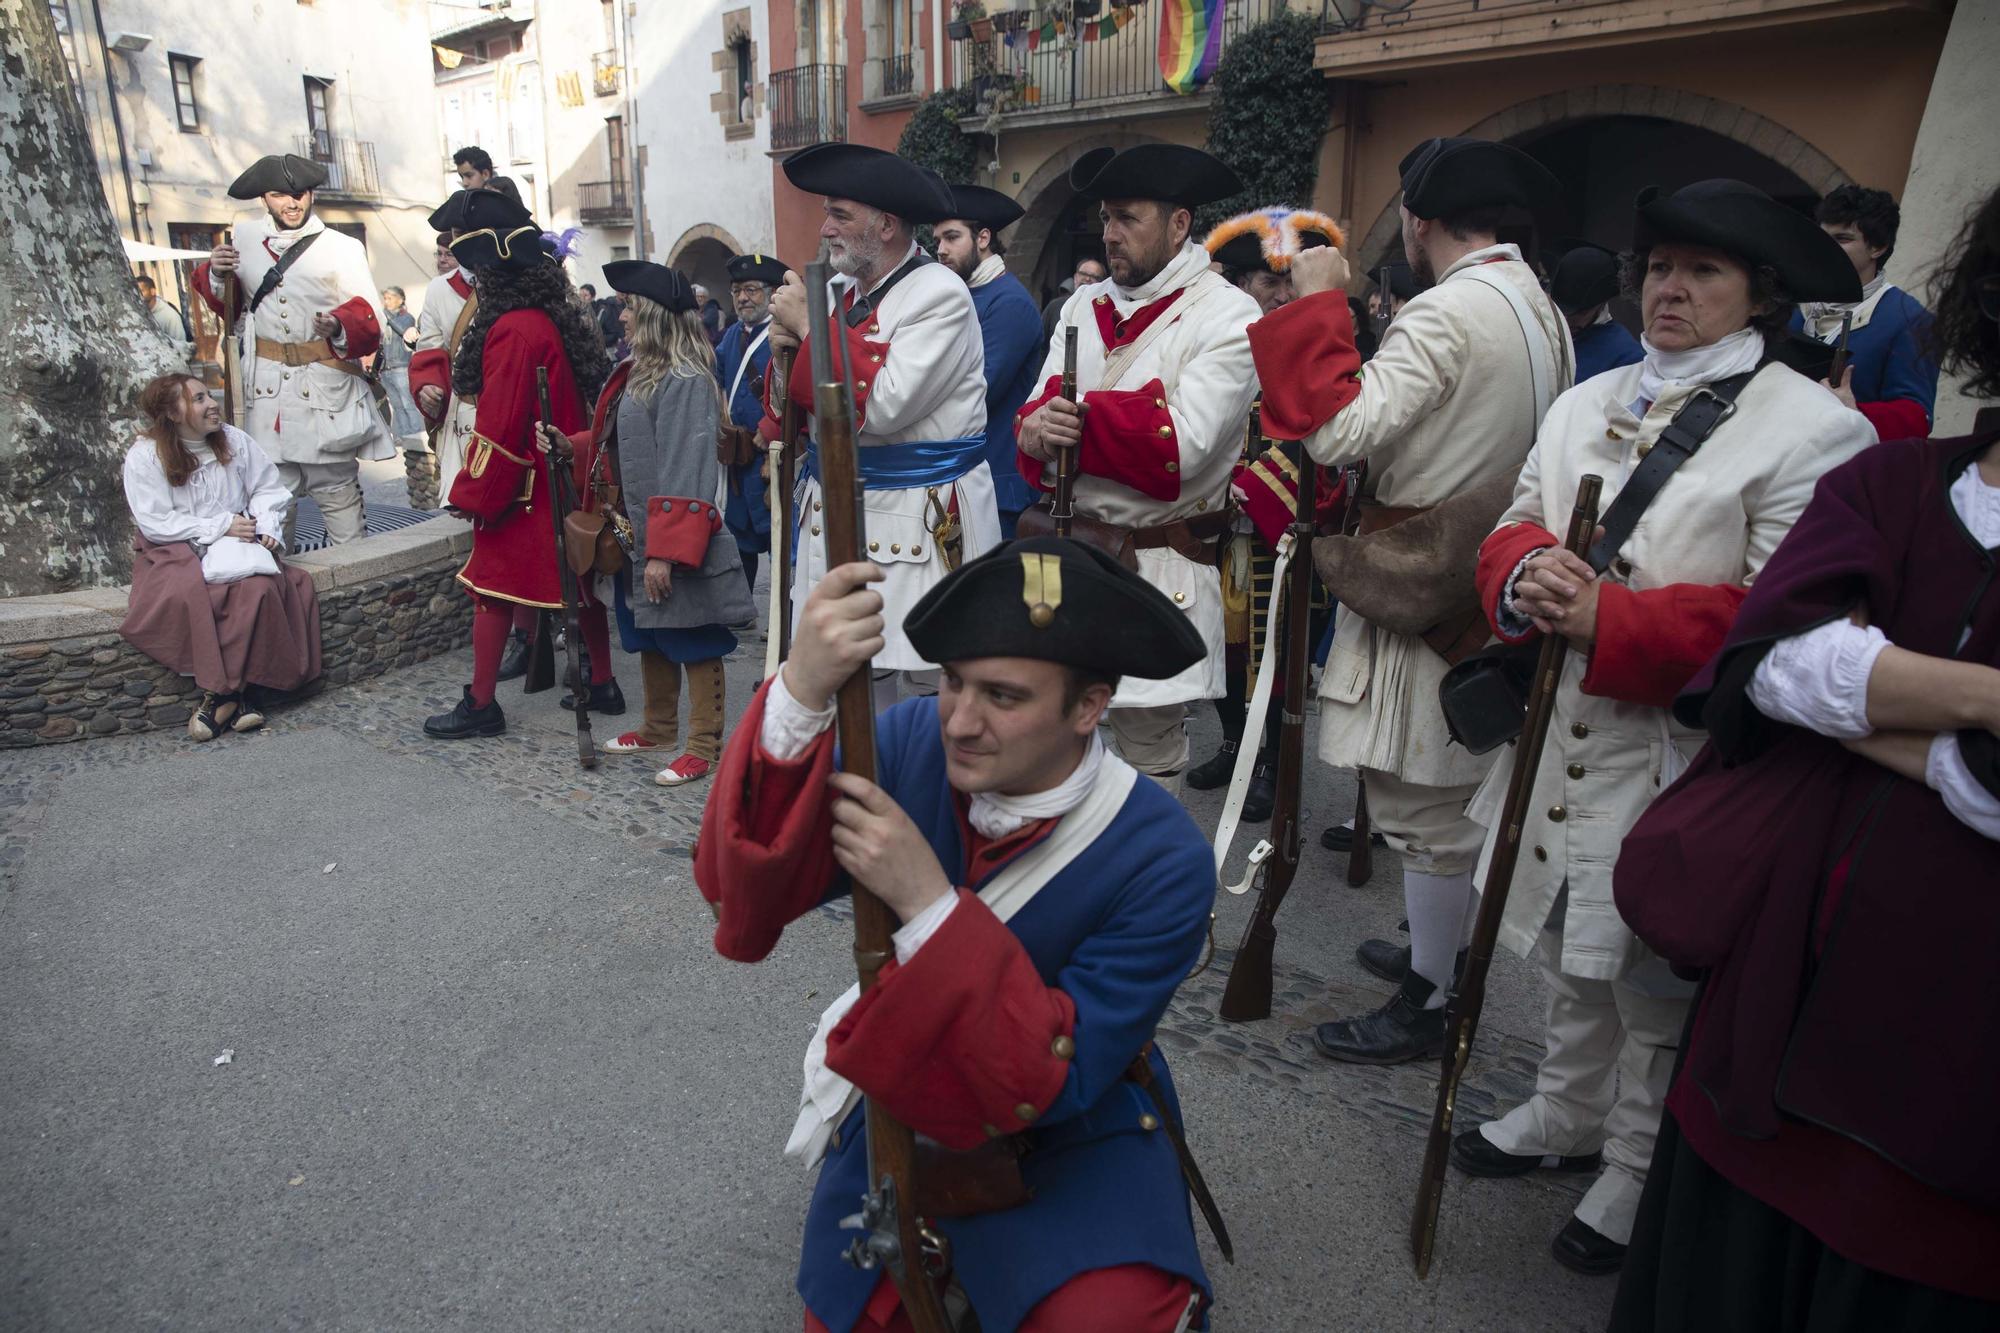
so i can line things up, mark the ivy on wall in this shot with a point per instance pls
(933, 138)
(1270, 109)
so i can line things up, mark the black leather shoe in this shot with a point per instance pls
(1400, 1031)
(1392, 963)
(1261, 794)
(1340, 838)
(1215, 771)
(1473, 1153)
(607, 699)
(1583, 1249)
(467, 720)
(514, 662)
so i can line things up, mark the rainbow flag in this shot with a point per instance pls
(1190, 42)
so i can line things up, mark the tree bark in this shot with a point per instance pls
(78, 345)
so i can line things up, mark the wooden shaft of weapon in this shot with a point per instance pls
(1838, 367)
(1469, 993)
(788, 434)
(1361, 851)
(1063, 508)
(558, 479)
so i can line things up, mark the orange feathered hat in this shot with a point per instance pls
(1269, 238)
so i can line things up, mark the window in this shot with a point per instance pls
(614, 145)
(746, 77)
(319, 116)
(621, 252)
(185, 108)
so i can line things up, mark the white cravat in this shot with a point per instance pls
(1822, 318)
(989, 268)
(1661, 370)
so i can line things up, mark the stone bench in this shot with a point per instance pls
(387, 600)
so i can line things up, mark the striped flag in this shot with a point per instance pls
(1190, 42)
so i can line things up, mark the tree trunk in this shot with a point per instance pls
(78, 345)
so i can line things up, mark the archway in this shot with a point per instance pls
(1058, 228)
(703, 253)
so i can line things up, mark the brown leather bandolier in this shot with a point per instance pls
(1454, 638)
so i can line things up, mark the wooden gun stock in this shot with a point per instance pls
(1063, 507)
(1361, 852)
(559, 507)
(1838, 368)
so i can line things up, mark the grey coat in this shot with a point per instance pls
(667, 448)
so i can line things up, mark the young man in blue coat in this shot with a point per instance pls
(1891, 379)
(1051, 899)
(969, 244)
(1584, 281)
(740, 361)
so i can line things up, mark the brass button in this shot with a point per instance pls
(1612, 435)
(1575, 770)
(895, 548)
(1557, 814)
(1166, 431)
(1200, 505)
(991, 1132)
(815, 529)
(876, 359)
(1541, 853)
(1159, 402)
(1180, 597)
(815, 506)
(1578, 730)
(1643, 450)
(1173, 467)
(916, 550)
(1062, 1048)
(861, 388)
(1149, 1121)
(1025, 1111)
(874, 328)
(1103, 300)
(874, 546)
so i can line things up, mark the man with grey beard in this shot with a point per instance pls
(918, 367)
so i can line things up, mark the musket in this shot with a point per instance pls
(778, 633)
(228, 354)
(890, 1237)
(1247, 996)
(559, 507)
(1062, 508)
(1468, 993)
(1361, 851)
(1838, 366)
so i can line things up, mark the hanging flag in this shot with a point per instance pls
(1190, 42)
(447, 57)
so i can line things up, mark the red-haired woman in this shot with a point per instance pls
(210, 597)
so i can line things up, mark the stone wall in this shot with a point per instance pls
(66, 675)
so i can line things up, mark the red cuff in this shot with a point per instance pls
(1650, 644)
(1026, 464)
(1129, 438)
(1502, 550)
(1896, 419)
(431, 369)
(358, 323)
(1270, 495)
(864, 360)
(1306, 363)
(964, 1043)
(678, 529)
(764, 856)
(203, 290)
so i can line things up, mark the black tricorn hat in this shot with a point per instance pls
(496, 232)
(1443, 177)
(659, 284)
(872, 177)
(1586, 275)
(983, 207)
(287, 173)
(1055, 600)
(1742, 220)
(1171, 172)
(449, 215)
(767, 269)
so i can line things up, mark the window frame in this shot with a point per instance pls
(180, 74)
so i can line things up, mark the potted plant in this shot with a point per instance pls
(962, 14)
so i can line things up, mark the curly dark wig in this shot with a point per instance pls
(543, 287)
(1964, 338)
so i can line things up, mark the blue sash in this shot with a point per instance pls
(913, 463)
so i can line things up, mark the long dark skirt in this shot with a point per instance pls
(263, 630)
(1708, 1258)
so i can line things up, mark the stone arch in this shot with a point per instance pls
(1046, 194)
(703, 253)
(698, 232)
(1524, 122)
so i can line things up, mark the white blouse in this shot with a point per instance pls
(199, 510)
(1819, 679)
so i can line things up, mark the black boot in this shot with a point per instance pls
(1400, 1031)
(607, 699)
(1473, 1153)
(1392, 963)
(1584, 1249)
(467, 720)
(1340, 838)
(514, 662)
(1261, 794)
(1215, 771)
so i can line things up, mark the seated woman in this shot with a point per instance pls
(654, 441)
(1828, 1160)
(209, 510)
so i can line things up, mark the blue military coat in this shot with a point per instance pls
(1606, 346)
(1015, 346)
(748, 514)
(1887, 352)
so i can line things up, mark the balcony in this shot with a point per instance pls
(808, 105)
(349, 163)
(604, 73)
(891, 79)
(604, 204)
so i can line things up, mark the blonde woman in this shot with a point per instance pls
(683, 587)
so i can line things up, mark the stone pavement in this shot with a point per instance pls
(488, 1073)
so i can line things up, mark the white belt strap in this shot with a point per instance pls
(1542, 372)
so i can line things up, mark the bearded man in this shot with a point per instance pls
(1165, 377)
(312, 313)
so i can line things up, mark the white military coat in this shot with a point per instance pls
(443, 304)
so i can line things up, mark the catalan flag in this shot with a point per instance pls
(1190, 42)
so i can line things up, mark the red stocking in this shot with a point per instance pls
(491, 620)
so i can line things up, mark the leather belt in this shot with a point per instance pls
(1186, 536)
(317, 351)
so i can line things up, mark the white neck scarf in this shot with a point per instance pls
(993, 815)
(1822, 318)
(1663, 371)
(1180, 271)
(989, 268)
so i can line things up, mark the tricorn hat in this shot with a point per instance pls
(1443, 177)
(767, 269)
(1055, 600)
(448, 216)
(1742, 220)
(286, 173)
(495, 232)
(659, 284)
(872, 177)
(1171, 172)
(983, 207)
(1586, 276)
(1270, 238)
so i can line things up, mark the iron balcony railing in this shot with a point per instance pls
(808, 106)
(604, 203)
(897, 75)
(349, 163)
